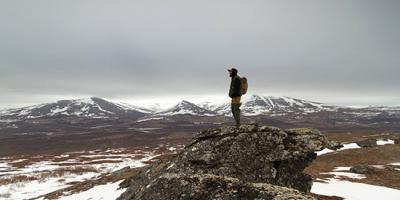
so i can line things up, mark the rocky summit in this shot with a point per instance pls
(250, 162)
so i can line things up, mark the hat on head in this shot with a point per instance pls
(234, 70)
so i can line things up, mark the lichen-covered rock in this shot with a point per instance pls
(363, 169)
(249, 162)
(209, 186)
(334, 145)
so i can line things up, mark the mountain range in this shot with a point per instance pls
(254, 105)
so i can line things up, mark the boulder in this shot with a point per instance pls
(249, 162)
(397, 140)
(334, 145)
(367, 143)
(363, 169)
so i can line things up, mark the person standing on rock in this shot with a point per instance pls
(236, 94)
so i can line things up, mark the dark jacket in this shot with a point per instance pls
(235, 88)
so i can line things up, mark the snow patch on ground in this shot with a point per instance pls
(346, 175)
(341, 169)
(395, 164)
(354, 191)
(7, 120)
(345, 147)
(4, 166)
(384, 142)
(324, 151)
(378, 166)
(151, 118)
(349, 146)
(172, 149)
(353, 146)
(144, 130)
(100, 192)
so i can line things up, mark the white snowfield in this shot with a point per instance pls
(354, 191)
(101, 192)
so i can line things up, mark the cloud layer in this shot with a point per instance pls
(329, 50)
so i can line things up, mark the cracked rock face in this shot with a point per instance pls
(251, 162)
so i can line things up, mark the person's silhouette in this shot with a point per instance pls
(235, 94)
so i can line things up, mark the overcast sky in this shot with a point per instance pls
(342, 52)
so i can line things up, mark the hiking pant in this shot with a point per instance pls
(235, 107)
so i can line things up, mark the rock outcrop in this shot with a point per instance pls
(250, 162)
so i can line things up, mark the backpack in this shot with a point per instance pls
(243, 86)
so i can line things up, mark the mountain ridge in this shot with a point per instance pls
(93, 107)
(252, 105)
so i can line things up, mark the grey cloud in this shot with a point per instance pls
(111, 48)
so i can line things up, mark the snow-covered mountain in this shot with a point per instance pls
(209, 105)
(258, 105)
(186, 107)
(252, 105)
(91, 108)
